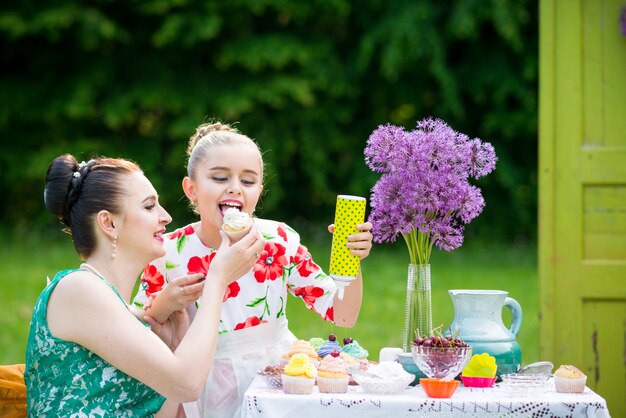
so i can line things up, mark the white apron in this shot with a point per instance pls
(240, 354)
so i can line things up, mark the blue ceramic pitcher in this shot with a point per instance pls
(478, 317)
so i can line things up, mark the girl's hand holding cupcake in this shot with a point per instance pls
(238, 258)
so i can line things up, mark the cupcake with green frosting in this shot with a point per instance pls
(316, 342)
(353, 348)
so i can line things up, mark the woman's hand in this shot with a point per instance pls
(360, 244)
(177, 295)
(172, 331)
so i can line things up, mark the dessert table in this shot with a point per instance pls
(263, 401)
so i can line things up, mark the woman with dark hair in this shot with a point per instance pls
(87, 353)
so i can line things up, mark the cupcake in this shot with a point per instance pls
(299, 375)
(353, 348)
(353, 365)
(330, 345)
(332, 376)
(351, 362)
(316, 342)
(301, 347)
(568, 379)
(236, 224)
(272, 376)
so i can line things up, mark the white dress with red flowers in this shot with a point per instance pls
(258, 299)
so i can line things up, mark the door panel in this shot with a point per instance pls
(582, 209)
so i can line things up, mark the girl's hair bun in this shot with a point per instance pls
(204, 130)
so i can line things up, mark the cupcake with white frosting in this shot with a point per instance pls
(236, 224)
(332, 376)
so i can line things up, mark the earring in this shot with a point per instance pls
(114, 246)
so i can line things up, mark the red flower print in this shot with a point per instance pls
(253, 321)
(180, 235)
(330, 315)
(200, 264)
(231, 291)
(152, 279)
(309, 294)
(271, 262)
(303, 261)
(188, 230)
(282, 231)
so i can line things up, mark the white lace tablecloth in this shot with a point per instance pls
(262, 401)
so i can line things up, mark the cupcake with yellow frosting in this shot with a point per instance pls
(299, 375)
(236, 224)
(568, 379)
(332, 376)
(301, 347)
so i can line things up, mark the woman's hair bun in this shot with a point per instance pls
(59, 180)
(75, 192)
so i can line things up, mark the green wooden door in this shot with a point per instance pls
(582, 209)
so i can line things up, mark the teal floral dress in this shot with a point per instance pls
(65, 379)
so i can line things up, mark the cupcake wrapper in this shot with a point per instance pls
(565, 385)
(297, 385)
(236, 236)
(333, 384)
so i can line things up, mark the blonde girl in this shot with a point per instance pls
(225, 170)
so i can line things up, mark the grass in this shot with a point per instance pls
(28, 260)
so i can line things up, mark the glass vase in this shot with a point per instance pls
(418, 313)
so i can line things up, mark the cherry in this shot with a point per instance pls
(332, 337)
(347, 340)
(334, 353)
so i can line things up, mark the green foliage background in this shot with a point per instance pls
(308, 80)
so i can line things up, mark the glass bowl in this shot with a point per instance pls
(444, 363)
(514, 384)
(373, 384)
(384, 378)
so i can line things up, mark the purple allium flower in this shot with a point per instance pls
(622, 21)
(385, 148)
(483, 158)
(423, 193)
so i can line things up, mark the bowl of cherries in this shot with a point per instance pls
(440, 358)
